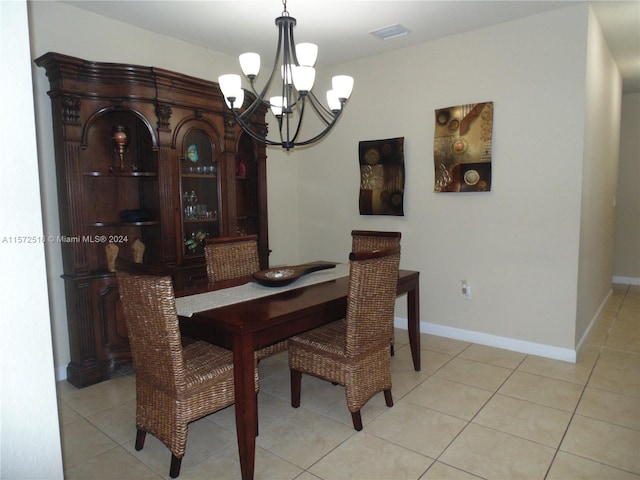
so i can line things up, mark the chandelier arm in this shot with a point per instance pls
(321, 134)
(327, 116)
(295, 136)
(245, 127)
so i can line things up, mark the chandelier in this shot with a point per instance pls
(293, 66)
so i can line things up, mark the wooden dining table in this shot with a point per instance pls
(251, 324)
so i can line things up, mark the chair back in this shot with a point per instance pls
(373, 240)
(231, 257)
(149, 309)
(373, 280)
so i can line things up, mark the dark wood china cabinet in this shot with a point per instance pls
(149, 164)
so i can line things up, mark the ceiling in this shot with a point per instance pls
(341, 28)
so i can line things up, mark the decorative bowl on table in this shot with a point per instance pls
(281, 276)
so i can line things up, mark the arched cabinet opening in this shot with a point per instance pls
(199, 191)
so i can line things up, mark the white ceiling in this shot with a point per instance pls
(341, 28)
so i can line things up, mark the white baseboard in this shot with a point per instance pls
(626, 280)
(61, 373)
(531, 348)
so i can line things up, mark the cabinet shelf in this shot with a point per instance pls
(123, 224)
(200, 220)
(212, 176)
(119, 174)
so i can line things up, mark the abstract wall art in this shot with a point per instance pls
(462, 148)
(382, 176)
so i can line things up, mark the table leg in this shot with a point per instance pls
(413, 313)
(246, 403)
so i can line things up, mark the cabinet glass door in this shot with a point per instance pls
(199, 191)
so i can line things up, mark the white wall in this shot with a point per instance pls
(29, 430)
(599, 176)
(517, 245)
(627, 247)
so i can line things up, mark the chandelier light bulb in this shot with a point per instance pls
(307, 53)
(250, 64)
(231, 85)
(333, 101)
(277, 104)
(343, 85)
(303, 78)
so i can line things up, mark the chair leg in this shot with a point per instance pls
(388, 398)
(140, 437)
(296, 381)
(175, 466)
(357, 420)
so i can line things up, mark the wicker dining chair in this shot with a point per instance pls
(354, 351)
(373, 240)
(174, 385)
(233, 257)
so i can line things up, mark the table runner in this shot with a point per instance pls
(187, 306)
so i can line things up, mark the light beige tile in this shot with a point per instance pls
(448, 346)
(475, 374)
(432, 361)
(603, 442)
(82, 441)
(528, 420)
(102, 396)
(67, 415)
(491, 454)
(617, 372)
(610, 407)
(403, 375)
(440, 471)
(204, 438)
(364, 456)
(400, 337)
(451, 398)
(225, 465)
(119, 422)
(542, 390)
(493, 356)
(619, 339)
(599, 333)
(417, 428)
(115, 464)
(567, 466)
(272, 365)
(566, 371)
(270, 409)
(303, 437)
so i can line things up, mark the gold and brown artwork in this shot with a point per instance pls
(462, 148)
(382, 177)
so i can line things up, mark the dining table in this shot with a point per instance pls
(243, 316)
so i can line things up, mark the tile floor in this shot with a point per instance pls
(472, 412)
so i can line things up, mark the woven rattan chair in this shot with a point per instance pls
(354, 352)
(362, 240)
(372, 240)
(233, 257)
(174, 385)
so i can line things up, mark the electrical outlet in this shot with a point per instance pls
(466, 290)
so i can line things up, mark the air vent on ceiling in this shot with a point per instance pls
(392, 31)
